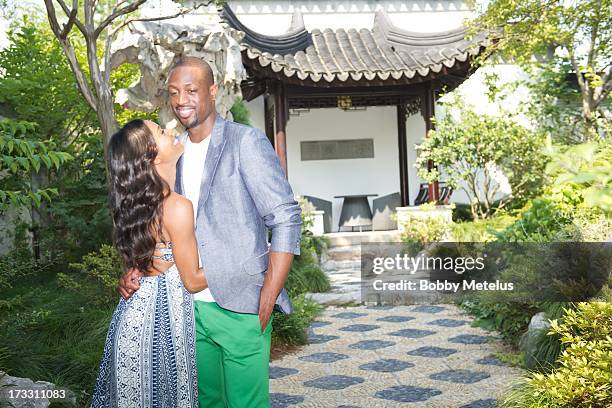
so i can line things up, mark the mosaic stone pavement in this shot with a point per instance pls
(403, 356)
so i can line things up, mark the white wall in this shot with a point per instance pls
(380, 175)
(328, 178)
(274, 17)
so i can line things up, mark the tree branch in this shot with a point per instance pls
(605, 88)
(594, 32)
(180, 13)
(71, 55)
(71, 19)
(579, 78)
(116, 14)
(75, 6)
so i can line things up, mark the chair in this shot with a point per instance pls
(323, 205)
(423, 196)
(383, 208)
(445, 194)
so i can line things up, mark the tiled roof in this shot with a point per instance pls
(383, 52)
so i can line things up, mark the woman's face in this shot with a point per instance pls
(168, 147)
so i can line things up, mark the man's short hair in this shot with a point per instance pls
(194, 62)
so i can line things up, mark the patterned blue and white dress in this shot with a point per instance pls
(149, 356)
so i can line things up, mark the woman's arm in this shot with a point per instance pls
(178, 219)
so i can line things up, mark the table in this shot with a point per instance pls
(356, 211)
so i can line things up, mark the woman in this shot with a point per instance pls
(149, 356)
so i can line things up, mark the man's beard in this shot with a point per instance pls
(193, 123)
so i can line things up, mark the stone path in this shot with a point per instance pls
(402, 356)
(343, 267)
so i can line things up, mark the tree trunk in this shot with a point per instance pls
(106, 117)
(590, 123)
(101, 84)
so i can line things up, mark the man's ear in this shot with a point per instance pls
(214, 88)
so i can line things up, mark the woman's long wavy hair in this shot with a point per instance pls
(137, 194)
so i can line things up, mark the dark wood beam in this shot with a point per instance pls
(383, 90)
(269, 115)
(281, 117)
(403, 155)
(252, 88)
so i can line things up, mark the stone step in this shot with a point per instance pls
(336, 298)
(341, 239)
(344, 253)
(331, 265)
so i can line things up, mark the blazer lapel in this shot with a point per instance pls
(178, 182)
(215, 148)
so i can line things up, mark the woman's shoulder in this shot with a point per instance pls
(176, 205)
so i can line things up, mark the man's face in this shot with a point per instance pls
(191, 96)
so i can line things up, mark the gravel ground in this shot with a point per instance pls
(403, 356)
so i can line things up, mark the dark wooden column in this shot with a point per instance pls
(281, 117)
(269, 116)
(403, 155)
(428, 112)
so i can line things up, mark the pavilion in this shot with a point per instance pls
(382, 66)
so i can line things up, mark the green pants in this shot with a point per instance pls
(233, 357)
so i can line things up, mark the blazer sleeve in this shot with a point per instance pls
(271, 192)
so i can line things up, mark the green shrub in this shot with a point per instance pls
(467, 144)
(240, 112)
(290, 329)
(425, 229)
(587, 169)
(305, 274)
(542, 220)
(306, 277)
(480, 230)
(54, 335)
(96, 276)
(19, 264)
(584, 377)
(510, 319)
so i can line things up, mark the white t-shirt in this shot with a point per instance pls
(193, 168)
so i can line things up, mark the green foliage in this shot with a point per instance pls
(425, 228)
(586, 167)
(563, 36)
(554, 106)
(37, 82)
(240, 112)
(510, 319)
(304, 277)
(19, 265)
(480, 230)
(96, 276)
(584, 377)
(483, 155)
(20, 157)
(306, 274)
(290, 329)
(511, 359)
(53, 335)
(577, 202)
(540, 222)
(80, 220)
(122, 77)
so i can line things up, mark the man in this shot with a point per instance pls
(239, 192)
